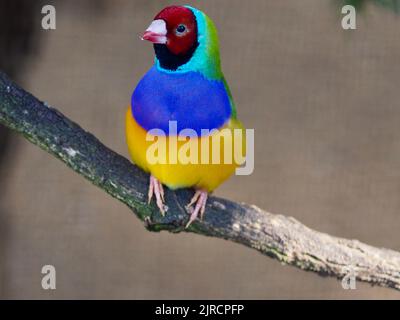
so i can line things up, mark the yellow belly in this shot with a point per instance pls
(181, 174)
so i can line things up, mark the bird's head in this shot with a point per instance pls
(180, 32)
(175, 27)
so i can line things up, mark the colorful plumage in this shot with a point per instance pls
(185, 85)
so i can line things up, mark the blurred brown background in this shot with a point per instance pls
(324, 105)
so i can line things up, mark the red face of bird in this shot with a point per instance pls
(175, 27)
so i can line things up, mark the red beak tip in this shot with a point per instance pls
(153, 37)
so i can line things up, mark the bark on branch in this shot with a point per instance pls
(280, 237)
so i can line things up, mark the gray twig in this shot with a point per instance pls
(280, 237)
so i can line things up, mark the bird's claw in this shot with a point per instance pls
(156, 188)
(200, 199)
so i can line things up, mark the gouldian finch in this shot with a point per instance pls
(185, 86)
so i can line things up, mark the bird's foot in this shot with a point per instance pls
(156, 188)
(200, 200)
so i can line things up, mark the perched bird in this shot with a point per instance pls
(185, 85)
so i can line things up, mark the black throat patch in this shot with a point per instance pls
(171, 61)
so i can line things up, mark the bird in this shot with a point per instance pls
(185, 86)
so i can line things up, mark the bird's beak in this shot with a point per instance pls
(156, 32)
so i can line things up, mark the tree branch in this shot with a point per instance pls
(280, 237)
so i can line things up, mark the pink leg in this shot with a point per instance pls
(200, 199)
(156, 188)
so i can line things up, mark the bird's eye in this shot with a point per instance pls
(180, 29)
